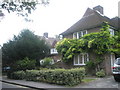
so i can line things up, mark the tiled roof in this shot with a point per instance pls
(50, 41)
(116, 22)
(90, 19)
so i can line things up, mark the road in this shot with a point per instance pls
(12, 86)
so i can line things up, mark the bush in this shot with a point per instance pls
(100, 73)
(69, 77)
(19, 75)
(46, 62)
(90, 67)
(25, 64)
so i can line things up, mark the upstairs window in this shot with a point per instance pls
(79, 34)
(111, 31)
(75, 35)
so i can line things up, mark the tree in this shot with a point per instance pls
(26, 44)
(21, 5)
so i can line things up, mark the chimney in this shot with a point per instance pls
(45, 35)
(99, 9)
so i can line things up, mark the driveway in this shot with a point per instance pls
(107, 82)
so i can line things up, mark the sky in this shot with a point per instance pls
(54, 18)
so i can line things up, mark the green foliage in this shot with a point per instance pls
(25, 64)
(90, 67)
(46, 62)
(21, 6)
(19, 75)
(99, 42)
(90, 64)
(100, 73)
(93, 66)
(117, 44)
(26, 44)
(69, 77)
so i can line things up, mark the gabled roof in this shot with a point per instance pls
(50, 41)
(116, 22)
(90, 19)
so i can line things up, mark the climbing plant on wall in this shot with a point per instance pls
(99, 42)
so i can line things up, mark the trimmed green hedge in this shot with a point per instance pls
(69, 77)
(19, 75)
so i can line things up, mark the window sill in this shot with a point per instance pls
(79, 64)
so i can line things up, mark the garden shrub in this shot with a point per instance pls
(90, 68)
(46, 62)
(68, 77)
(25, 64)
(18, 75)
(100, 73)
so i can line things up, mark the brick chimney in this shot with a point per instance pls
(45, 35)
(99, 9)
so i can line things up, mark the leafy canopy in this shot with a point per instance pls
(21, 5)
(26, 44)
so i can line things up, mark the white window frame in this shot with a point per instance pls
(53, 51)
(74, 36)
(77, 33)
(83, 60)
(111, 32)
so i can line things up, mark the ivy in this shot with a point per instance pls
(98, 42)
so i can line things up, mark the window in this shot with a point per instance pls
(111, 32)
(54, 51)
(79, 34)
(81, 59)
(84, 32)
(75, 35)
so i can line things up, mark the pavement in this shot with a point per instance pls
(107, 82)
(30, 84)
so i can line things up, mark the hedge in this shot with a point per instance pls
(19, 75)
(69, 77)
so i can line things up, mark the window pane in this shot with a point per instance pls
(75, 35)
(80, 59)
(85, 58)
(76, 59)
(111, 31)
(79, 34)
(84, 32)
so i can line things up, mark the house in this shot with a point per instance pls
(92, 21)
(51, 41)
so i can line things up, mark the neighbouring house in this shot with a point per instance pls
(51, 41)
(92, 21)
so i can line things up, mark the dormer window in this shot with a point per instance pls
(78, 35)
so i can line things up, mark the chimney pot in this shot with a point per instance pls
(45, 35)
